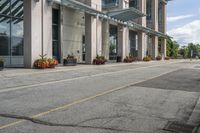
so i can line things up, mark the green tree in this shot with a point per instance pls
(172, 48)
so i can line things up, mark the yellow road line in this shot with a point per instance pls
(81, 101)
(71, 79)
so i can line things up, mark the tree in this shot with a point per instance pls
(172, 48)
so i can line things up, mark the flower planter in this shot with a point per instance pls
(1, 65)
(100, 60)
(70, 62)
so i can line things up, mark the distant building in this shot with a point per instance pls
(86, 28)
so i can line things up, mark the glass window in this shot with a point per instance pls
(149, 9)
(17, 37)
(5, 7)
(4, 35)
(134, 3)
(17, 8)
(11, 27)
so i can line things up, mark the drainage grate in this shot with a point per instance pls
(179, 127)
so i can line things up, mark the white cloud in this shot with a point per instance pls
(176, 18)
(187, 33)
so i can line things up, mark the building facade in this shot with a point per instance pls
(84, 28)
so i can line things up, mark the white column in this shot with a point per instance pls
(164, 41)
(105, 39)
(93, 33)
(142, 35)
(33, 31)
(164, 47)
(155, 27)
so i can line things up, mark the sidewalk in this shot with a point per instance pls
(23, 71)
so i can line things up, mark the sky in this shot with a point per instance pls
(183, 21)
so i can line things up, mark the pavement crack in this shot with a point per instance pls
(46, 123)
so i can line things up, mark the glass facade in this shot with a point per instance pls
(55, 34)
(149, 9)
(113, 43)
(110, 3)
(134, 3)
(11, 28)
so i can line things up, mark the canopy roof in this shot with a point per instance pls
(126, 14)
(123, 16)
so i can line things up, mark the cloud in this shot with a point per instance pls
(187, 33)
(176, 18)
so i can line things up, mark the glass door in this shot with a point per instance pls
(113, 43)
(11, 32)
(56, 34)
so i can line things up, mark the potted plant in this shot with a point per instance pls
(52, 63)
(70, 60)
(99, 60)
(167, 58)
(44, 63)
(158, 58)
(147, 58)
(1, 64)
(129, 59)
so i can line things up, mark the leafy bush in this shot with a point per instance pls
(129, 59)
(147, 58)
(99, 60)
(158, 57)
(44, 62)
(167, 58)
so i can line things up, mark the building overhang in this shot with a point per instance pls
(126, 14)
(116, 16)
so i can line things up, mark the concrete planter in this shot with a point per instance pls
(70, 62)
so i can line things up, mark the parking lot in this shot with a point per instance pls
(137, 97)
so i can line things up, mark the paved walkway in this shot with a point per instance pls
(99, 99)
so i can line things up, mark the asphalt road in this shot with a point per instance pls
(137, 97)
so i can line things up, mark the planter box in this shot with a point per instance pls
(1, 65)
(70, 62)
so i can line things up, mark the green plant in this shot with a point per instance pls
(44, 62)
(129, 59)
(1, 60)
(147, 58)
(167, 58)
(99, 60)
(158, 57)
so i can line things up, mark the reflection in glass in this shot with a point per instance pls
(5, 7)
(17, 8)
(113, 43)
(4, 36)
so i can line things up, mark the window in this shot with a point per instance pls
(149, 9)
(11, 27)
(134, 3)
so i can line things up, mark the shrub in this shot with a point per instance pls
(129, 59)
(158, 57)
(99, 60)
(44, 62)
(147, 58)
(167, 58)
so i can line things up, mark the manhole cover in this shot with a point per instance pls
(179, 127)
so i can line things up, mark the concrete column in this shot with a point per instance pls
(155, 27)
(164, 41)
(105, 39)
(93, 33)
(33, 31)
(141, 45)
(154, 47)
(123, 42)
(142, 35)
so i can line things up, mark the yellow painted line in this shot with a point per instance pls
(81, 101)
(76, 78)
